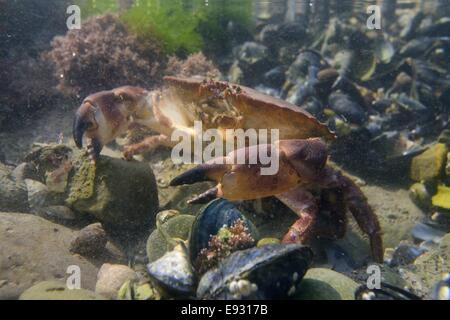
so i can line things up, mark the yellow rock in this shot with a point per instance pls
(442, 197)
(428, 165)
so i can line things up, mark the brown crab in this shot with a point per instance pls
(302, 169)
(106, 115)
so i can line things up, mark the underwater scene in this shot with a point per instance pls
(224, 150)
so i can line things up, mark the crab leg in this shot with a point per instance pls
(358, 206)
(303, 203)
(364, 216)
(148, 144)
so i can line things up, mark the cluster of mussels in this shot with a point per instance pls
(220, 260)
(385, 91)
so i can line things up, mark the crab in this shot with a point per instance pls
(303, 171)
(106, 115)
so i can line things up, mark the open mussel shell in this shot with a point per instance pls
(214, 216)
(173, 273)
(273, 271)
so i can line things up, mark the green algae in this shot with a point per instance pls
(83, 182)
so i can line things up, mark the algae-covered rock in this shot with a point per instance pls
(34, 249)
(428, 165)
(176, 227)
(326, 284)
(57, 290)
(13, 194)
(442, 198)
(115, 191)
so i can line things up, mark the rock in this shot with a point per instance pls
(59, 214)
(176, 197)
(33, 250)
(428, 165)
(111, 277)
(326, 284)
(24, 171)
(57, 290)
(442, 198)
(131, 290)
(430, 266)
(90, 241)
(419, 194)
(13, 194)
(38, 195)
(117, 192)
(177, 227)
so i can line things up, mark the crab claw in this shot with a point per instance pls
(83, 120)
(296, 161)
(105, 115)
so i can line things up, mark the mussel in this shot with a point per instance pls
(273, 271)
(218, 230)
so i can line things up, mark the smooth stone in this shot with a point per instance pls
(176, 227)
(57, 290)
(59, 214)
(90, 241)
(428, 165)
(34, 250)
(326, 284)
(111, 277)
